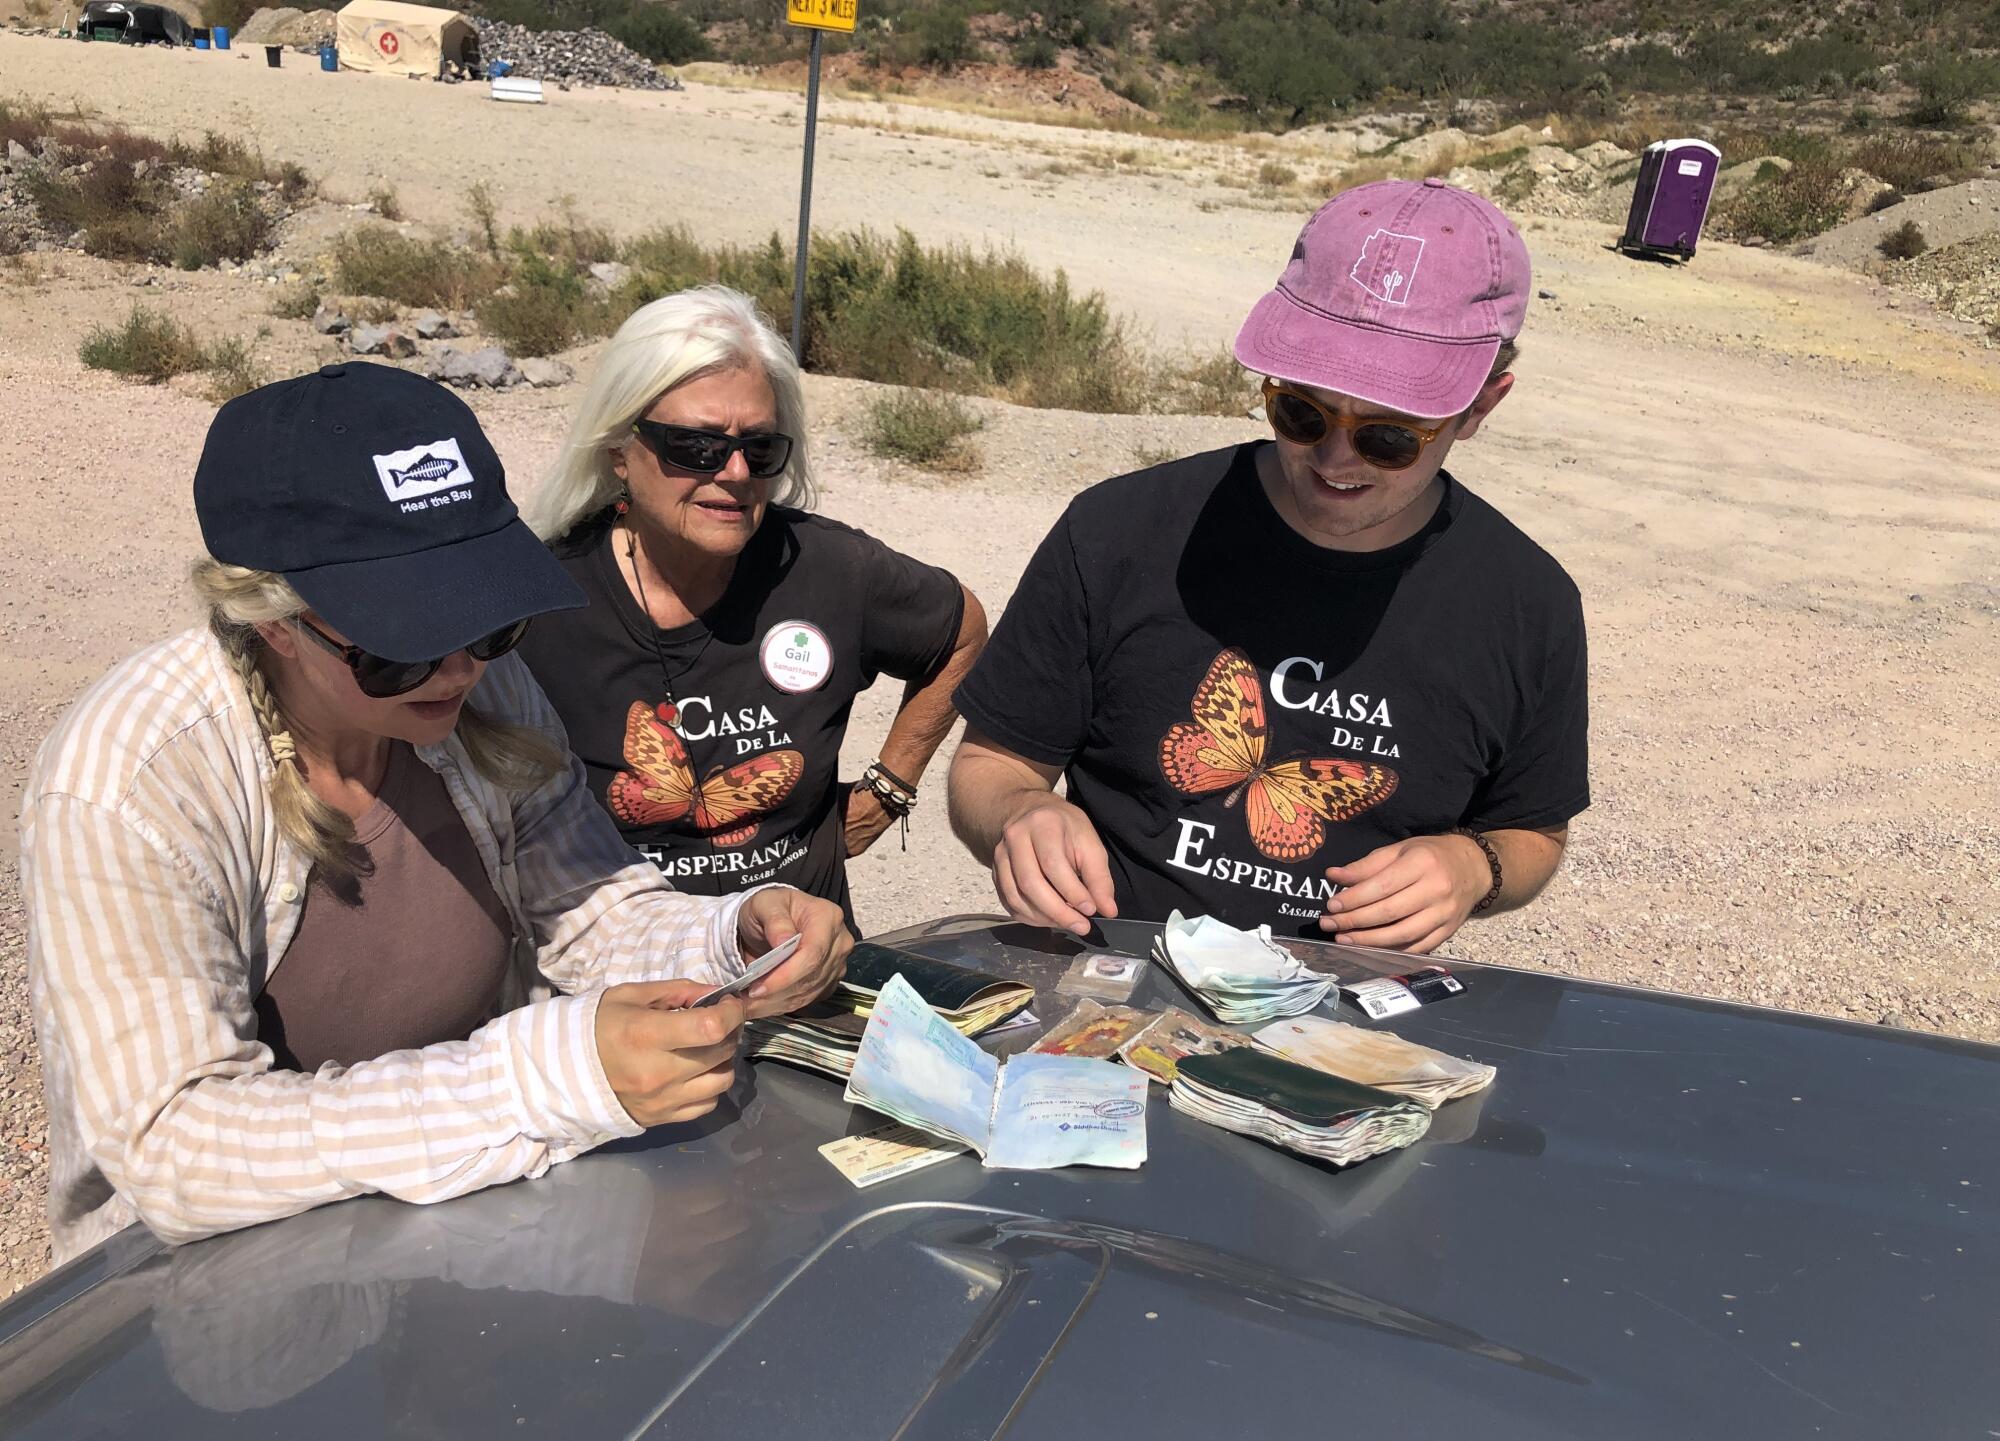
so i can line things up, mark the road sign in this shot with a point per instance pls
(816, 16)
(821, 14)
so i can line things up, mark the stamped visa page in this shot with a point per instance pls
(1065, 1111)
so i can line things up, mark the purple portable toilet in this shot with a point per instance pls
(1670, 198)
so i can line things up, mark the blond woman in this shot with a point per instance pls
(318, 903)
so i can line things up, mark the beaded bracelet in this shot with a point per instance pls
(1492, 864)
(896, 796)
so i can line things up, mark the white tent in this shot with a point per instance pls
(391, 38)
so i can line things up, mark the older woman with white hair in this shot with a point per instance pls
(300, 883)
(708, 685)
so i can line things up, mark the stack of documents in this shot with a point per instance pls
(1242, 976)
(820, 1037)
(1033, 1113)
(825, 1037)
(971, 1001)
(1254, 1093)
(1375, 1058)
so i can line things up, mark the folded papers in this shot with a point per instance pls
(1241, 976)
(1375, 1058)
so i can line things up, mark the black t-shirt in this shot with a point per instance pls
(746, 789)
(1237, 709)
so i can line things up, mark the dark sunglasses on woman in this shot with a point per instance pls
(1384, 444)
(705, 452)
(385, 679)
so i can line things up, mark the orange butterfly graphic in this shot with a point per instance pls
(1288, 804)
(663, 788)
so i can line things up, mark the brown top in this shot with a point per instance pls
(413, 953)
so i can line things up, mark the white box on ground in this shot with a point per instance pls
(517, 87)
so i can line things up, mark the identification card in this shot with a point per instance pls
(1380, 997)
(887, 1152)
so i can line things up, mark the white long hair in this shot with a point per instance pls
(673, 340)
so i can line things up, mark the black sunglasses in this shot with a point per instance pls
(383, 679)
(707, 451)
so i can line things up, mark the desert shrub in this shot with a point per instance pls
(231, 369)
(661, 34)
(225, 224)
(1274, 175)
(1035, 51)
(1947, 87)
(1860, 118)
(1906, 160)
(544, 308)
(1212, 384)
(375, 260)
(485, 214)
(1802, 202)
(298, 302)
(1145, 457)
(383, 198)
(221, 154)
(149, 346)
(925, 429)
(1905, 242)
(120, 212)
(566, 240)
(233, 13)
(1885, 200)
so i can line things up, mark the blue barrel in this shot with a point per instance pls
(200, 42)
(329, 57)
(500, 67)
(218, 36)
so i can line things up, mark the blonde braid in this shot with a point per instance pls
(323, 833)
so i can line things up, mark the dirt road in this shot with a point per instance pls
(1776, 492)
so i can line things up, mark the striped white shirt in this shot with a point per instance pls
(160, 895)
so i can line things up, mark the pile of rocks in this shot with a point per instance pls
(487, 368)
(569, 57)
(165, 188)
(282, 25)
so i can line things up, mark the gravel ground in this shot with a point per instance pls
(1775, 491)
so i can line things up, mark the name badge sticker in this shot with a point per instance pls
(796, 656)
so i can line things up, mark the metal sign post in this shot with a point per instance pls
(818, 16)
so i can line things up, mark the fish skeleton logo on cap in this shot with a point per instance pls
(422, 469)
(1387, 266)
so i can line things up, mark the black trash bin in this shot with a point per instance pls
(273, 54)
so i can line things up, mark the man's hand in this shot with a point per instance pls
(1410, 896)
(865, 820)
(776, 914)
(1051, 869)
(665, 1063)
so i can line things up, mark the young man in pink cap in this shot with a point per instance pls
(1314, 681)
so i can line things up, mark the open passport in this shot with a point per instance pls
(1032, 1113)
(971, 1001)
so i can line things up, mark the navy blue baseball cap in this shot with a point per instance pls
(376, 494)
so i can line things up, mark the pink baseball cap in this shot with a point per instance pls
(1398, 294)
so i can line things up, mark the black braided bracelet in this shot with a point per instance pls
(1492, 863)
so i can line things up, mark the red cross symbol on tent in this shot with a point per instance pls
(389, 43)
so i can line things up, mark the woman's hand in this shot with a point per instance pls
(865, 819)
(667, 1064)
(776, 914)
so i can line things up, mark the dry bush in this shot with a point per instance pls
(925, 429)
(1905, 242)
(227, 223)
(149, 346)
